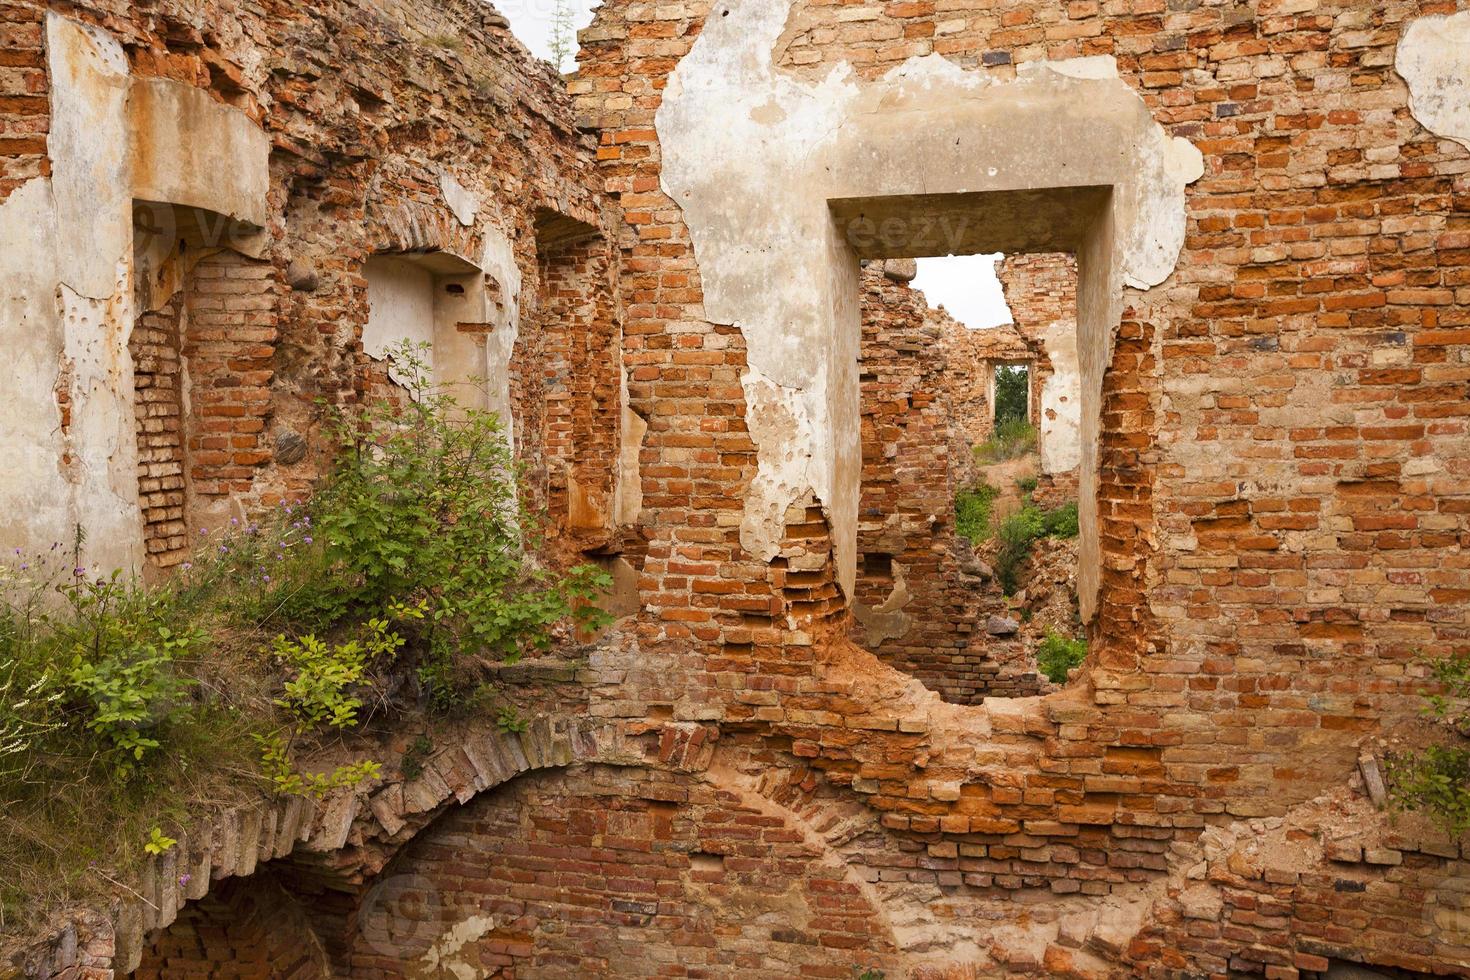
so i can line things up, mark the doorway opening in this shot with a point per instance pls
(967, 544)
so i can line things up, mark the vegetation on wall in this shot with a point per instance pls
(972, 507)
(1011, 439)
(1435, 778)
(1057, 655)
(125, 706)
(1018, 532)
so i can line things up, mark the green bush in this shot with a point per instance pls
(1027, 485)
(1062, 522)
(1011, 440)
(1057, 655)
(1435, 779)
(424, 509)
(1017, 533)
(972, 512)
(123, 705)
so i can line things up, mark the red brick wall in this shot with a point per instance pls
(245, 929)
(917, 367)
(1281, 493)
(581, 366)
(617, 872)
(158, 409)
(25, 107)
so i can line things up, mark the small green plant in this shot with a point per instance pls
(859, 973)
(1062, 522)
(1435, 779)
(123, 672)
(1057, 655)
(414, 757)
(972, 512)
(1027, 485)
(424, 505)
(1011, 439)
(1018, 532)
(287, 780)
(509, 721)
(158, 843)
(27, 715)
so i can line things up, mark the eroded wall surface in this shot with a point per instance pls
(1279, 481)
(923, 601)
(145, 150)
(1280, 450)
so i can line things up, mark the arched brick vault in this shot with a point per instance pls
(300, 890)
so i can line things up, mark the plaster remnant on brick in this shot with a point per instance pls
(464, 204)
(1433, 57)
(887, 620)
(757, 158)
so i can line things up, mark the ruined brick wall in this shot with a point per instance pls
(158, 410)
(25, 109)
(582, 368)
(618, 872)
(1280, 526)
(1041, 291)
(969, 378)
(923, 597)
(362, 163)
(250, 929)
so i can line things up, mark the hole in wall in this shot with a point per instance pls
(953, 486)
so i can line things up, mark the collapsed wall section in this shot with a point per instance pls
(235, 184)
(924, 602)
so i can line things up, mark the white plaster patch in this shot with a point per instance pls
(441, 955)
(754, 155)
(187, 149)
(1433, 57)
(1061, 402)
(88, 149)
(499, 263)
(400, 309)
(464, 204)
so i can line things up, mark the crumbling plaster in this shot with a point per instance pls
(67, 255)
(1433, 57)
(1060, 438)
(755, 157)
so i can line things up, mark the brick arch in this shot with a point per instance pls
(614, 849)
(614, 870)
(339, 843)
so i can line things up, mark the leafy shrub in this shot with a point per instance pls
(972, 512)
(1011, 440)
(1062, 522)
(1027, 485)
(423, 507)
(1435, 779)
(1017, 533)
(121, 705)
(1058, 654)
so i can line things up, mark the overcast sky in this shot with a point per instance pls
(530, 20)
(966, 285)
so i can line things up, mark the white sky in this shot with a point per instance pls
(967, 287)
(530, 20)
